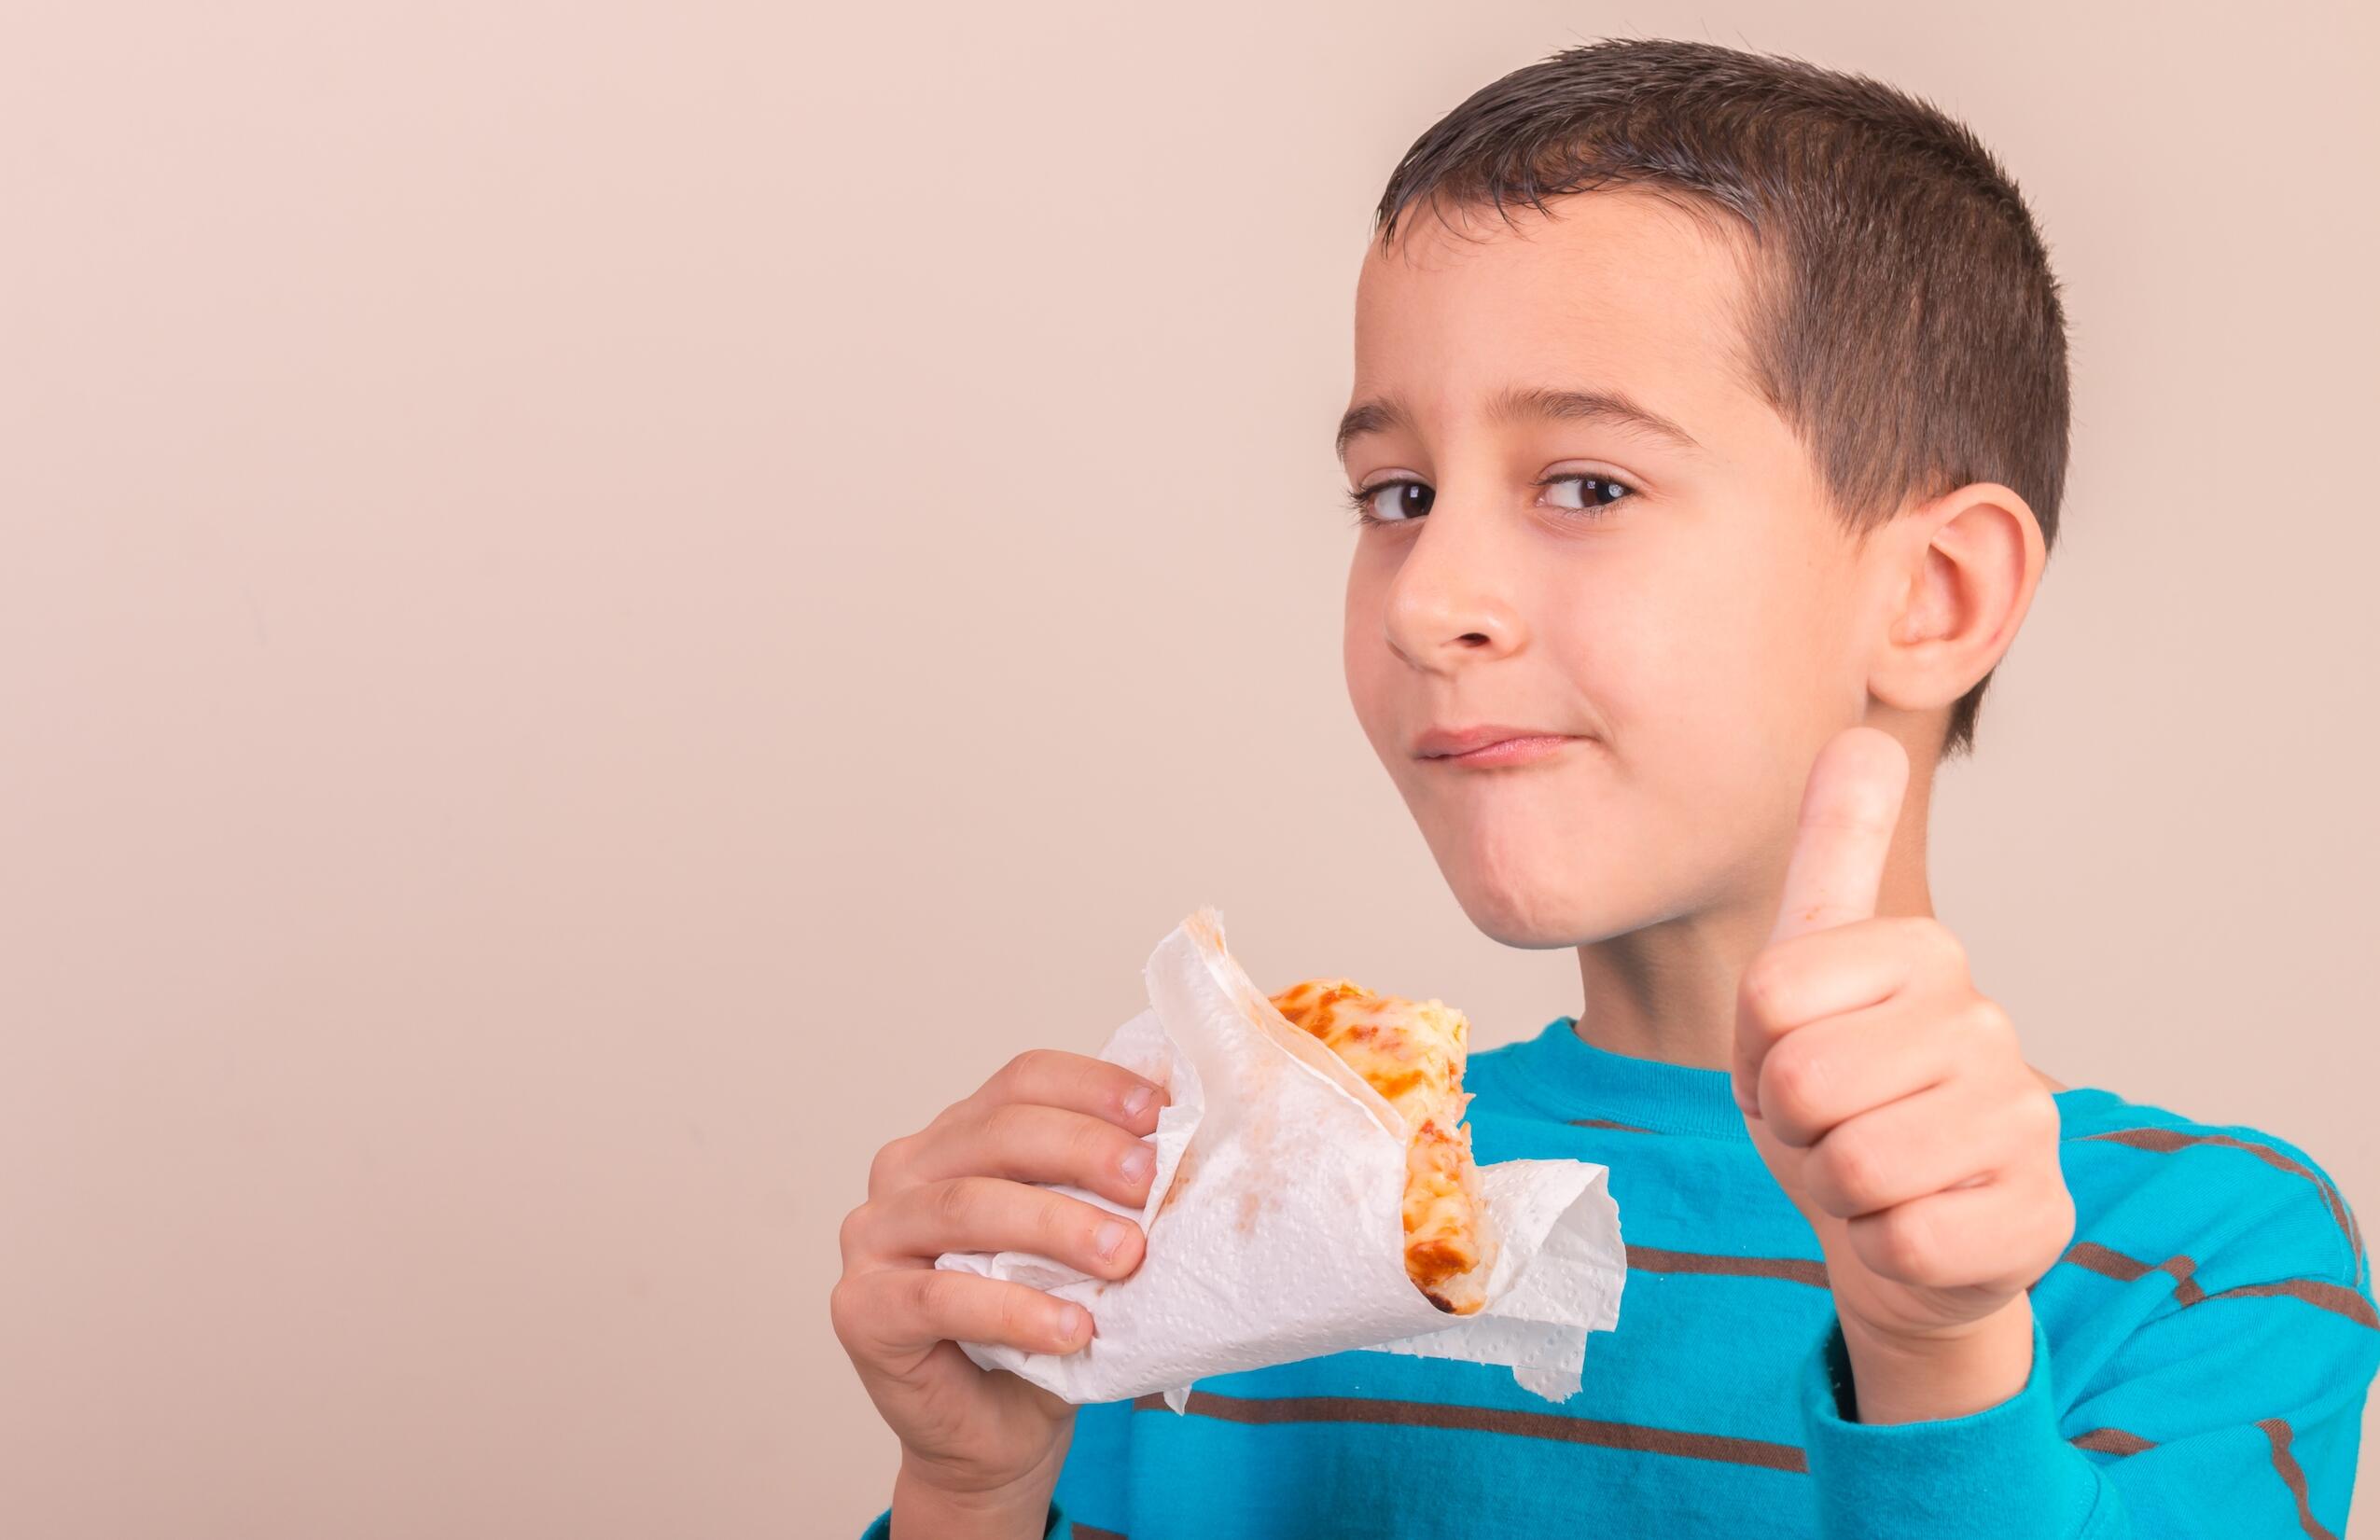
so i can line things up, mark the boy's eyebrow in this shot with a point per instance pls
(1614, 408)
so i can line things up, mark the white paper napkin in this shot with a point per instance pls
(1276, 1216)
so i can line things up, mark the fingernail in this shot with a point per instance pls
(1073, 1322)
(1110, 1238)
(1139, 1163)
(1137, 1101)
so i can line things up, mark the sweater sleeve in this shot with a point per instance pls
(2236, 1415)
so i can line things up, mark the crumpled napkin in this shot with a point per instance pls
(1275, 1217)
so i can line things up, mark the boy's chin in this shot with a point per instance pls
(1526, 886)
(1535, 916)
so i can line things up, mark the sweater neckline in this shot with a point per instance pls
(1563, 1075)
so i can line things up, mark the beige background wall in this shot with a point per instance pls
(603, 607)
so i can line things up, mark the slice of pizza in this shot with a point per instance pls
(1413, 1053)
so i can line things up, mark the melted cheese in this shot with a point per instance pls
(1413, 1053)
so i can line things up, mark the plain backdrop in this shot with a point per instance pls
(604, 607)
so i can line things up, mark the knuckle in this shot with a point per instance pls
(1062, 1229)
(1850, 1169)
(1983, 1024)
(847, 1235)
(957, 1201)
(1018, 1069)
(1792, 1080)
(884, 1170)
(1905, 1245)
(1015, 1316)
(1937, 942)
(1091, 1145)
(847, 1308)
(936, 1297)
(1968, 1040)
(1005, 1125)
(1763, 988)
(1965, 1050)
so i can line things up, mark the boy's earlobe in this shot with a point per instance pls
(1972, 560)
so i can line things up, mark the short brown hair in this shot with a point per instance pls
(1901, 316)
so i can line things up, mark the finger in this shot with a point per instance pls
(1996, 1234)
(1824, 1073)
(1822, 973)
(894, 1311)
(1038, 1076)
(1053, 1078)
(1829, 972)
(1906, 1149)
(1850, 806)
(1025, 1142)
(991, 1213)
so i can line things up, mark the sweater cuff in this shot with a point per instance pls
(2001, 1473)
(1058, 1527)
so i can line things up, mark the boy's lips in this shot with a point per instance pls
(1489, 743)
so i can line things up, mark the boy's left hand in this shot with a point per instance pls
(1892, 1102)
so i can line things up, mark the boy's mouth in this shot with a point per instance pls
(1490, 744)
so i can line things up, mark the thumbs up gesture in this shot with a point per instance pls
(1892, 1103)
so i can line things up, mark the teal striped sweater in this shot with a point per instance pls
(2201, 1356)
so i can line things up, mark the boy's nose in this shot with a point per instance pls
(1450, 604)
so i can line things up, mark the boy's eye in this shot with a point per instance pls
(1401, 501)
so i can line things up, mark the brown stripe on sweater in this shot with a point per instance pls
(2110, 1441)
(1605, 1123)
(2115, 1264)
(1093, 1532)
(2186, 1289)
(1793, 1270)
(2329, 1296)
(2109, 1263)
(1523, 1425)
(2284, 1461)
(2166, 1141)
(2105, 1262)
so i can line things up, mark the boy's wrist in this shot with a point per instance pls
(1899, 1377)
(1955, 1471)
(923, 1511)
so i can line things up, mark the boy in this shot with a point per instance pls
(1708, 432)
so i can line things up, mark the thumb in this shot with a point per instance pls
(1849, 807)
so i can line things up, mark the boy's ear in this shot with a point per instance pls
(1965, 565)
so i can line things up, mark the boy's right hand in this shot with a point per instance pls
(974, 1439)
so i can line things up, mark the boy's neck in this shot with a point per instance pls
(1666, 992)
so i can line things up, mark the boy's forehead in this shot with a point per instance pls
(1616, 290)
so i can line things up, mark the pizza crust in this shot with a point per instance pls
(1413, 1053)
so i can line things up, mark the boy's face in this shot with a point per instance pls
(1694, 615)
